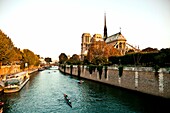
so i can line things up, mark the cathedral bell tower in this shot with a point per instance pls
(86, 38)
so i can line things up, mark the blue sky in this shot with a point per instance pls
(50, 27)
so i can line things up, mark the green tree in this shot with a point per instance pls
(96, 49)
(48, 60)
(10, 54)
(165, 57)
(30, 58)
(99, 52)
(75, 57)
(74, 60)
(99, 60)
(86, 61)
(6, 49)
(17, 57)
(62, 58)
(150, 50)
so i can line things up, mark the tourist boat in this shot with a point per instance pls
(15, 82)
(54, 68)
(67, 100)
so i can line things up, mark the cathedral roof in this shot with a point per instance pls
(115, 37)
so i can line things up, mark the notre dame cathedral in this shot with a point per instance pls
(116, 40)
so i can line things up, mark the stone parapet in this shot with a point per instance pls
(139, 79)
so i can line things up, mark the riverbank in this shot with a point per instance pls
(141, 79)
(29, 72)
(88, 97)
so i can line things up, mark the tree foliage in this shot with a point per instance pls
(17, 57)
(30, 58)
(149, 50)
(48, 60)
(152, 58)
(99, 60)
(109, 50)
(6, 48)
(99, 52)
(62, 58)
(75, 57)
(10, 54)
(74, 60)
(96, 49)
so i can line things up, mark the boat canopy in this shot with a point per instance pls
(12, 82)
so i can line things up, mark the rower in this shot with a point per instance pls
(65, 95)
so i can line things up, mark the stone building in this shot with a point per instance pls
(96, 37)
(87, 40)
(117, 40)
(85, 43)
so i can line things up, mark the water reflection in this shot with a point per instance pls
(44, 94)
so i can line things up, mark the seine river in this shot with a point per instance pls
(44, 94)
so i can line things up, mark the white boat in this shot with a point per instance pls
(14, 83)
(54, 68)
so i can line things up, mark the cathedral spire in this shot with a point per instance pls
(105, 27)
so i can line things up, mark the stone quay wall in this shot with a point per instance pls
(141, 79)
(9, 69)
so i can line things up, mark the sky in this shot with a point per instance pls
(51, 27)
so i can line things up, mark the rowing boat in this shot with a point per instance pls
(68, 100)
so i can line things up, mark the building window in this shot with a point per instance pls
(124, 45)
(120, 45)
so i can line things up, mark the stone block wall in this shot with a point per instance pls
(9, 69)
(4, 70)
(138, 79)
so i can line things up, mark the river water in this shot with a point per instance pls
(44, 94)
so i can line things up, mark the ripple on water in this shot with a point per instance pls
(44, 94)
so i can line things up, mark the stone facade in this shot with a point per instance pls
(86, 38)
(116, 40)
(138, 79)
